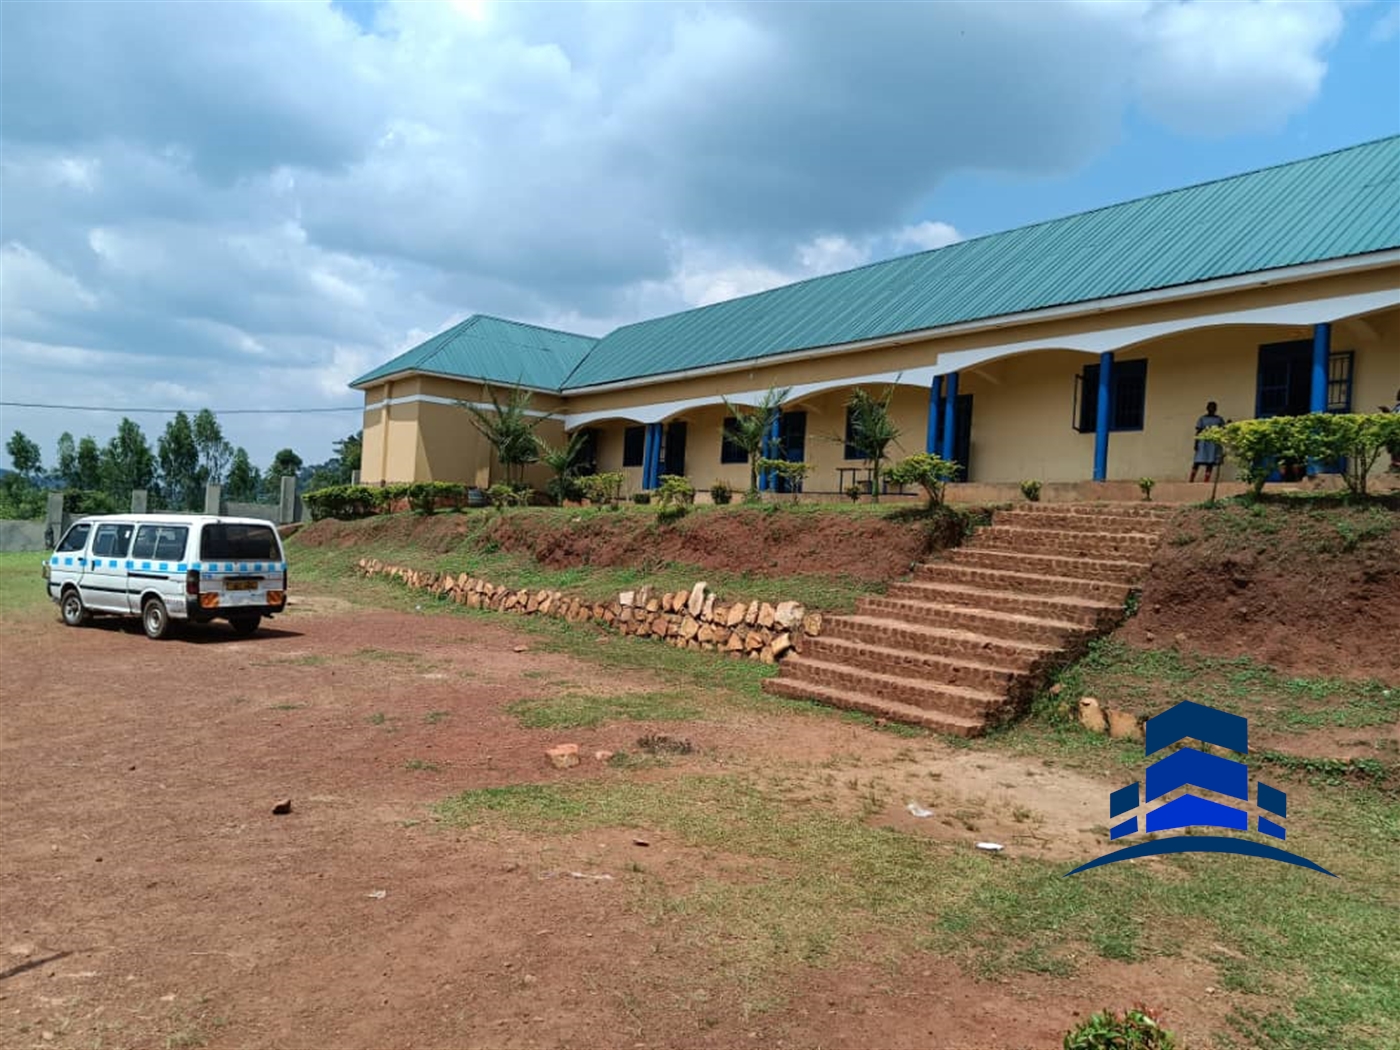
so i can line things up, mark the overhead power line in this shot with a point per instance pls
(172, 411)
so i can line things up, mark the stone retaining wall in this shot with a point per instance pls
(693, 619)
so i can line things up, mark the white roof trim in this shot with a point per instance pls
(434, 399)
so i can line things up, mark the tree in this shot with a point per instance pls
(127, 462)
(751, 428)
(24, 455)
(244, 479)
(348, 451)
(509, 428)
(873, 430)
(180, 475)
(562, 460)
(285, 464)
(89, 464)
(67, 469)
(214, 452)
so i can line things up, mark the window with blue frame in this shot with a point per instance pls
(1127, 396)
(634, 443)
(729, 451)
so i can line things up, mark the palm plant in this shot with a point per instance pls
(751, 428)
(561, 459)
(509, 428)
(873, 430)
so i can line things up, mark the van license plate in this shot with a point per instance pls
(241, 585)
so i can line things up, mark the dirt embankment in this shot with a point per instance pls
(1307, 588)
(778, 542)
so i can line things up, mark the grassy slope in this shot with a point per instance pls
(1311, 959)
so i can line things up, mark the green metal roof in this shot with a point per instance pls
(493, 350)
(1336, 205)
(1333, 206)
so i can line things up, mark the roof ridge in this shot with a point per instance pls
(537, 327)
(1014, 229)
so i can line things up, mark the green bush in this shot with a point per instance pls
(1030, 488)
(721, 493)
(1146, 485)
(346, 502)
(641, 497)
(675, 490)
(925, 469)
(90, 501)
(502, 495)
(424, 496)
(793, 472)
(1136, 1029)
(670, 513)
(602, 489)
(1350, 443)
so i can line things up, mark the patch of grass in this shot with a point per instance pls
(22, 585)
(376, 655)
(434, 717)
(378, 718)
(418, 765)
(306, 660)
(823, 882)
(587, 711)
(1150, 680)
(286, 707)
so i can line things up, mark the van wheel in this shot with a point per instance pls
(155, 619)
(245, 625)
(74, 612)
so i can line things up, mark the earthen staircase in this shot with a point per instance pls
(964, 644)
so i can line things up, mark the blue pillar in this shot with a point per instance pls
(1101, 421)
(950, 417)
(1322, 347)
(651, 453)
(935, 415)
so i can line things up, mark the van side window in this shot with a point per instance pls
(160, 542)
(111, 541)
(76, 538)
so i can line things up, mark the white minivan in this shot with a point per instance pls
(166, 567)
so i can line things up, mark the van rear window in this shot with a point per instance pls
(235, 542)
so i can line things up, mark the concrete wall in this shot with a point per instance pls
(23, 536)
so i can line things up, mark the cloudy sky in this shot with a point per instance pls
(244, 205)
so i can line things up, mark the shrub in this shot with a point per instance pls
(1349, 443)
(89, 501)
(853, 493)
(675, 489)
(503, 495)
(641, 497)
(424, 496)
(670, 513)
(791, 471)
(927, 470)
(1146, 485)
(1030, 488)
(347, 502)
(721, 493)
(1136, 1029)
(602, 488)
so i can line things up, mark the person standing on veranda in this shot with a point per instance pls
(1208, 453)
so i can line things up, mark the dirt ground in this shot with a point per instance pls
(1305, 593)
(152, 899)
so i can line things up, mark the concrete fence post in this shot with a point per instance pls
(213, 499)
(354, 477)
(138, 501)
(287, 504)
(55, 521)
